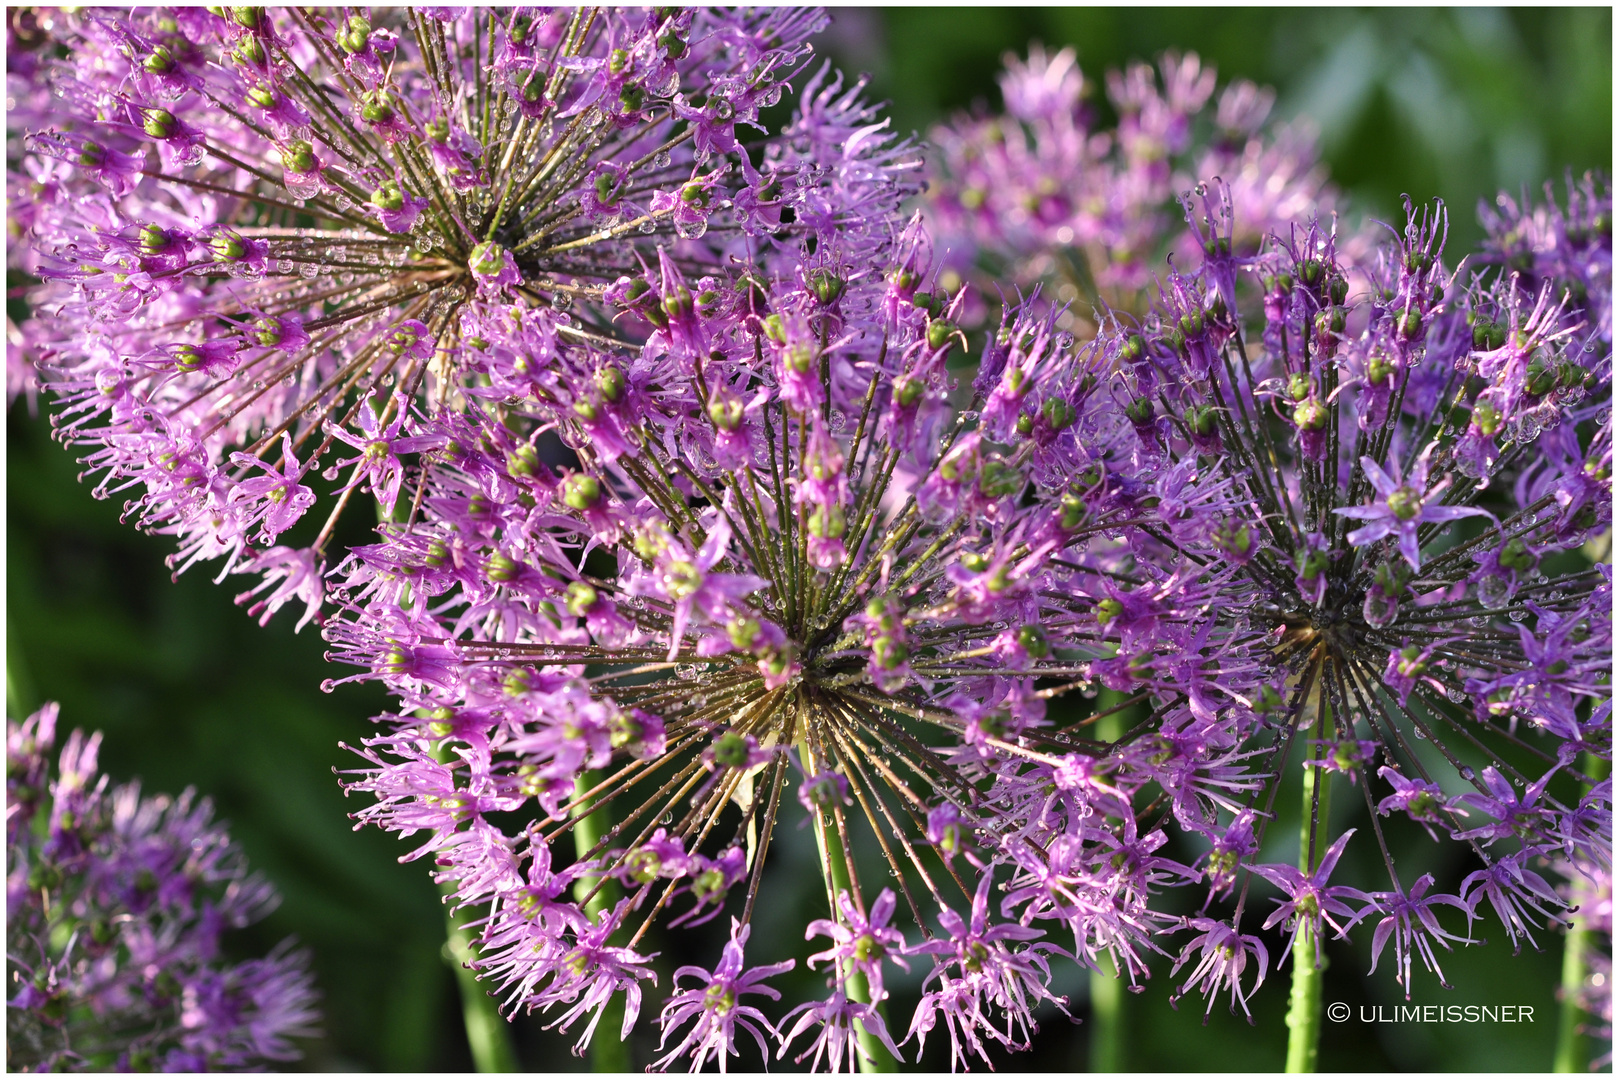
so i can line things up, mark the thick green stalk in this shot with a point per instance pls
(608, 1052)
(1107, 1016)
(1304, 1009)
(20, 696)
(1573, 1052)
(1107, 990)
(488, 1034)
(874, 1056)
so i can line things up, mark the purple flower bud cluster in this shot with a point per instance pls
(1040, 194)
(115, 910)
(688, 507)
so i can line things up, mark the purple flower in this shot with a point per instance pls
(861, 941)
(1222, 958)
(1413, 925)
(1311, 902)
(115, 917)
(1403, 506)
(838, 1040)
(716, 1007)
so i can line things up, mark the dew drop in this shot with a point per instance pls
(647, 227)
(1467, 773)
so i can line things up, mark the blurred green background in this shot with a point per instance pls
(190, 691)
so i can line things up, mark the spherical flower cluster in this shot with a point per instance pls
(263, 233)
(115, 909)
(689, 514)
(1040, 194)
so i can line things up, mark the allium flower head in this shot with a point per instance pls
(1041, 194)
(115, 909)
(267, 233)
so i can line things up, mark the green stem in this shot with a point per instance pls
(21, 699)
(488, 1034)
(1304, 1009)
(1107, 1016)
(608, 1052)
(1573, 1053)
(1107, 990)
(874, 1056)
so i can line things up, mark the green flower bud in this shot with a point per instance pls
(889, 652)
(631, 97)
(1058, 414)
(643, 865)
(501, 569)
(154, 239)
(1134, 348)
(250, 51)
(524, 461)
(1311, 415)
(582, 596)
(1108, 609)
(1032, 637)
(389, 197)
(1540, 378)
(298, 157)
(581, 491)
(1516, 556)
(1330, 321)
(908, 391)
(1202, 420)
(731, 750)
(160, 61)
(1311, 563)
(1298, 386)
(1233, 538)
(267, 331)
(355, 35)
(1071, 511)
(227, 246)
(695, 194)
(1139, 412)
(377, 107)
(940, 331)
(826, 286)
(487, 259)
(1405, 503)
(1487, 418)
(159, 123)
